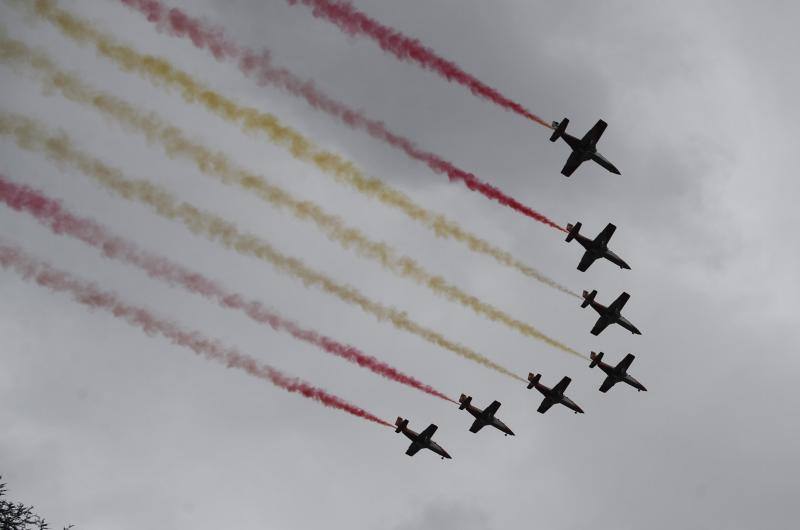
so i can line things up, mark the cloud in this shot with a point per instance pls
(447, 515)
(701, 123)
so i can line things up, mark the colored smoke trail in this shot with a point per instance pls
(32, 137)
(162, 73)
(356, 23)
(88, 294)
(52, 214)
(219, 165)
(258, 66)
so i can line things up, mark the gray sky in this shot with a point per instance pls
(108, 428)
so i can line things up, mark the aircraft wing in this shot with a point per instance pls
(492, 409)
(476, 426)
(586, 261)
(600, 325)
(562, 385)
(427, 434)
(607, 384)
(595, 132)
(575, 159)
(620, 302)
(604, 236)
(413, 449)
(546, 404)
(626, 362)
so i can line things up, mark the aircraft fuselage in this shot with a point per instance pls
(583, 149)
(557, 397)
(600, 250)
(577, 145)
(619, 374)
(567, 402)
(424, 443)
(614, 317)
(489, 419)
(588, 151)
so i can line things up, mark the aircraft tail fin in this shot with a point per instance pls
(464, 401)
(595, 357)
(588, 298)
(533, 379)
(559, 127)
(401, 424)
(573, 231)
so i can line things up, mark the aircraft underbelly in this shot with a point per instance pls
(477, 425)
(601, 324)
(609, 382)
(625, 323)
(413, 449)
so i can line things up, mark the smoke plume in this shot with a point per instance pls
(31, 136)
(218, 164)
(258, 66)
(13, 259)
(251, 120)
(355, 23)
(52, 214)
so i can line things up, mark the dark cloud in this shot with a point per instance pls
(447, 515)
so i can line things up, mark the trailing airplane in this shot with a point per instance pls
(553, 395)
(595, 248)
(610, 314)
(582, 149)
(483, 417)
(420, 440)
(615, 374)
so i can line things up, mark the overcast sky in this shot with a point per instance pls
(108, 428)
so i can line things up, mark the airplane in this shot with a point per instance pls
(483, 417)
(582, 149)
(553, 395)
(615, 374)
(610, 314)
(595, 248)
(420, 440)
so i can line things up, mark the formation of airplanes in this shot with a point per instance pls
(583, 149)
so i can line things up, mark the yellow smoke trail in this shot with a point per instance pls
(32, 136)
(251, 120)
(217, 164)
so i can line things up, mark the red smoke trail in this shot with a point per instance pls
(12, 258)
(354, 23)
(259, 67)
(51, 213)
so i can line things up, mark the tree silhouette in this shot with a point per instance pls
(18, 516)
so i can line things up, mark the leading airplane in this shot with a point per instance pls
(583, 149)
(420, 440)
(553, 395)
(615, 374)
(595, 248)
(610, 314)
(483, 417)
